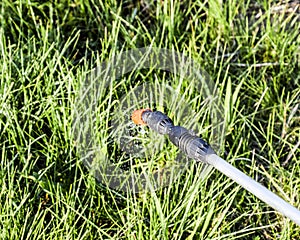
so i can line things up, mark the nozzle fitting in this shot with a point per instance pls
(157, 121)
(192, 145)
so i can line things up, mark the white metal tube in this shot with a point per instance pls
(255, 188)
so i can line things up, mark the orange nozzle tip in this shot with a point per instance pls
(136, 116)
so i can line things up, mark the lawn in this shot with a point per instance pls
(249, 51)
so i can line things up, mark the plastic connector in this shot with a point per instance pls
(192, 145)
(195, 147)
(157, 121)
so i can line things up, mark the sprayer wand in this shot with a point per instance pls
(199, 150)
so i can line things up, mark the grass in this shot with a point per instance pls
(251, 51)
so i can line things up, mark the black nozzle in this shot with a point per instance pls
(157, 121)
(192, 145)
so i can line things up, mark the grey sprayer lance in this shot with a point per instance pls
(199, 150)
